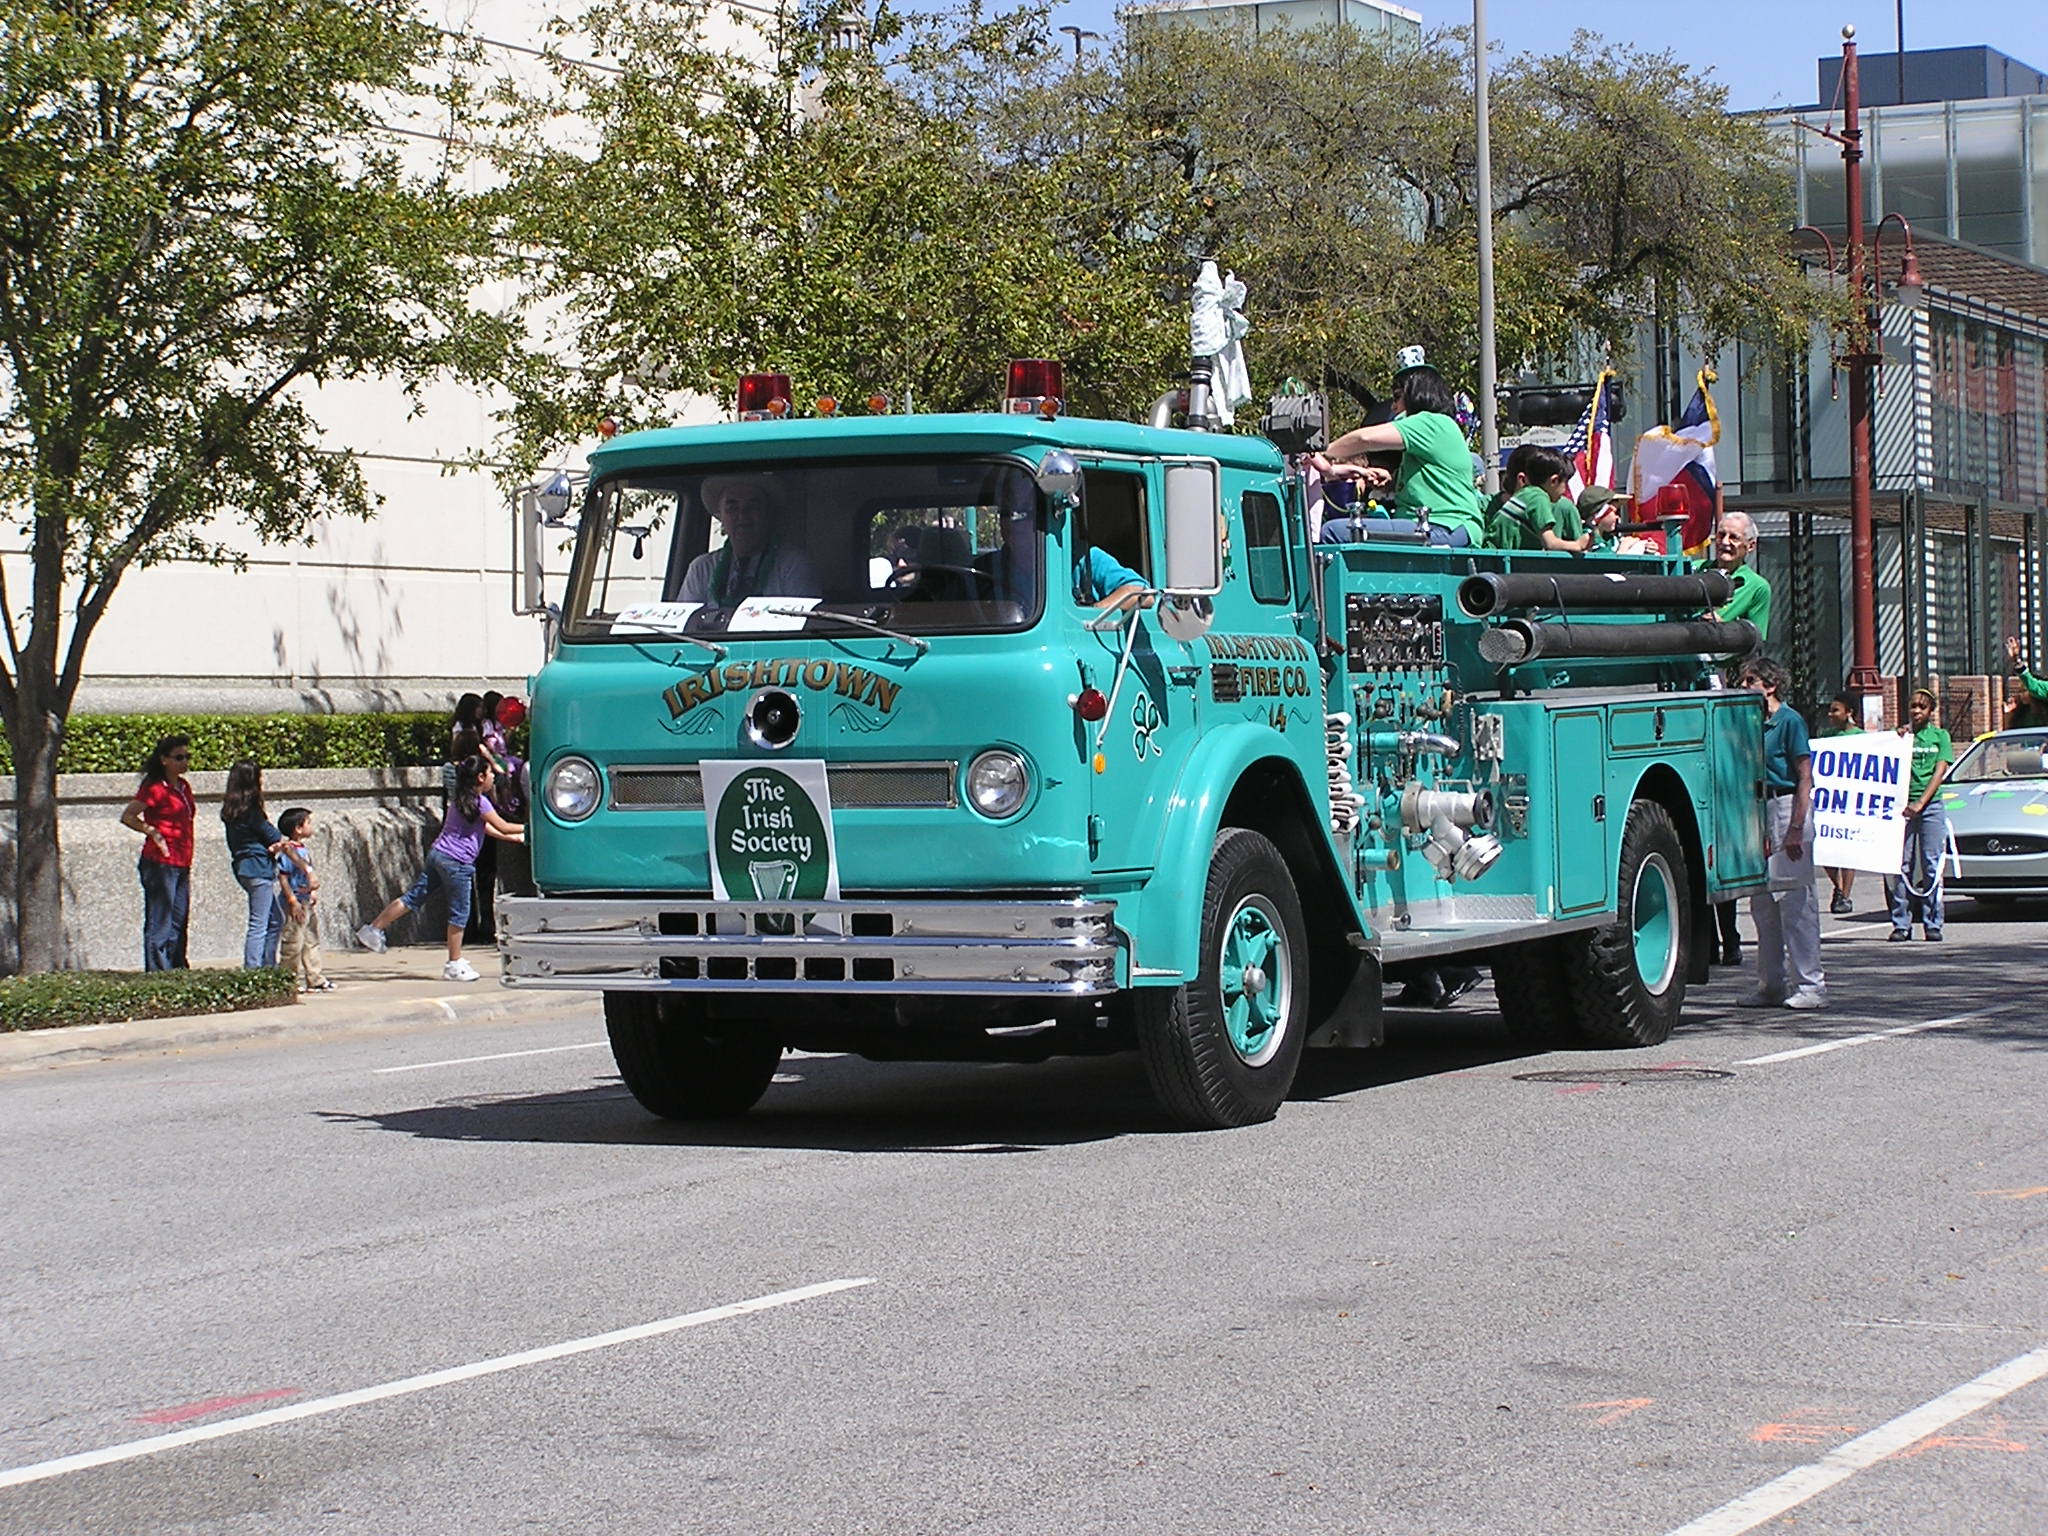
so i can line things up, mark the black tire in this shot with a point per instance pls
(1617, 1003)
(681, 1066)
(1211, 1061)
(1533, 983)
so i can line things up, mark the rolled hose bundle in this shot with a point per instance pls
(1519, 640)
(1483, 595)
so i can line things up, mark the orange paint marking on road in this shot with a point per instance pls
(1799, 1432)
(1961, 1443)
(2015, 1194)
(1621, 1408)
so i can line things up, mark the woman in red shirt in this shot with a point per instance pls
(162, 812)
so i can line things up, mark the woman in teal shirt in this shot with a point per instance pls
(1436, 461)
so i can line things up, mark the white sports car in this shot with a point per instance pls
(1996, 797)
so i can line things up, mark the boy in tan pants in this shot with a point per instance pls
(298, 948)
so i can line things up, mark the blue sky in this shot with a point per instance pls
(1762, 50)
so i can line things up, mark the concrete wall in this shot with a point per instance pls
(371, 831)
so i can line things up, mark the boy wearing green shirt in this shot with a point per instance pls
(1919, 882)
(1533, 510)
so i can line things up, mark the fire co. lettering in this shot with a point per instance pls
(840, 677)
(1272, 682)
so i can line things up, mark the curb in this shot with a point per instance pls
(21, 1050)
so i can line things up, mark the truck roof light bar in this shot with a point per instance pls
(765, 396)
(1034, 388)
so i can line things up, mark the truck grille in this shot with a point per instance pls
(855, 786)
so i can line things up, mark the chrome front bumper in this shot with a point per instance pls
(887, 948)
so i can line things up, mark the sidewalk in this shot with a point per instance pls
(394, 990)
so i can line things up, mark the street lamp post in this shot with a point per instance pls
(1866, 354)
(1077, 34)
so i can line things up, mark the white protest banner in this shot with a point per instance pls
(771, 831)
(1859, 800)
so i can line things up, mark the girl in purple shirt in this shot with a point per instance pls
(451, 863)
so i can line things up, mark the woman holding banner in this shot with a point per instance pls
(1919, 882)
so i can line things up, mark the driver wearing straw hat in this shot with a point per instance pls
(753, 561)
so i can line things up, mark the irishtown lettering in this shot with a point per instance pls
(840, 677)
(1256, 648)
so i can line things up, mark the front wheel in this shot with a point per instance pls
(682, 1066)
(1632, 987)
(1222, 1049)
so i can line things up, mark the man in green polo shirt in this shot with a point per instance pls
(1734, 543)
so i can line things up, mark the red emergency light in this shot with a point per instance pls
(1034, 386)
(764, 396)
(1090, 705)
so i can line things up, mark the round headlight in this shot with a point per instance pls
(573, 788)
(997, 784)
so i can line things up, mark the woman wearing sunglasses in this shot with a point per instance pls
(162, 812)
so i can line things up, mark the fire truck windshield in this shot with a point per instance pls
(922, 547)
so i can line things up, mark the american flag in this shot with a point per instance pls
(1591, 445)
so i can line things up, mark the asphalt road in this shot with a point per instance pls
(405, 1282)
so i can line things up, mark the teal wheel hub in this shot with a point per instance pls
(1256, 975)
(1654, 917)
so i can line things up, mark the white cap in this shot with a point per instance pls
(1406, 358)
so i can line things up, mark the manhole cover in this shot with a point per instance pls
(1624, 1075)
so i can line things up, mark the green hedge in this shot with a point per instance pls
(119, 743)
(107, 997)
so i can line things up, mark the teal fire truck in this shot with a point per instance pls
(841, 745)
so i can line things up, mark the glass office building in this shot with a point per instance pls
(1960, 424)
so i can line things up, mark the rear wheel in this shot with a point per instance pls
(1632, 987)
(1533, 983)
(1222, 1049)
(681, 1065)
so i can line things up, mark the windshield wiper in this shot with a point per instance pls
(645, 631)
(858, 621)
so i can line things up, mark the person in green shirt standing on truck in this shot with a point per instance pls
(1734, 543)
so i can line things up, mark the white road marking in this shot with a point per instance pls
(1915, 1322)
(1882, 1034)
(463, 1061)
(1866, 1450)
(128, 1451)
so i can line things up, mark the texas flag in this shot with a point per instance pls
(1591, 445)
(1674, 469)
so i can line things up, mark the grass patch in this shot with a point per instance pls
(110, 997)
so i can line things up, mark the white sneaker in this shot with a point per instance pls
(1808, 998)
(460, 970)
(1762, 997)
(371, 937)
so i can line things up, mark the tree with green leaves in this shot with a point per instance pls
(204, 216)
(711, 203)
(906, 213)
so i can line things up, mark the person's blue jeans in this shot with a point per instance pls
(166, 903)
(1926, 842)
(266, 922)
(456, 876)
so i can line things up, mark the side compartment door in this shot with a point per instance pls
(1578, 742)
(1735, 774)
